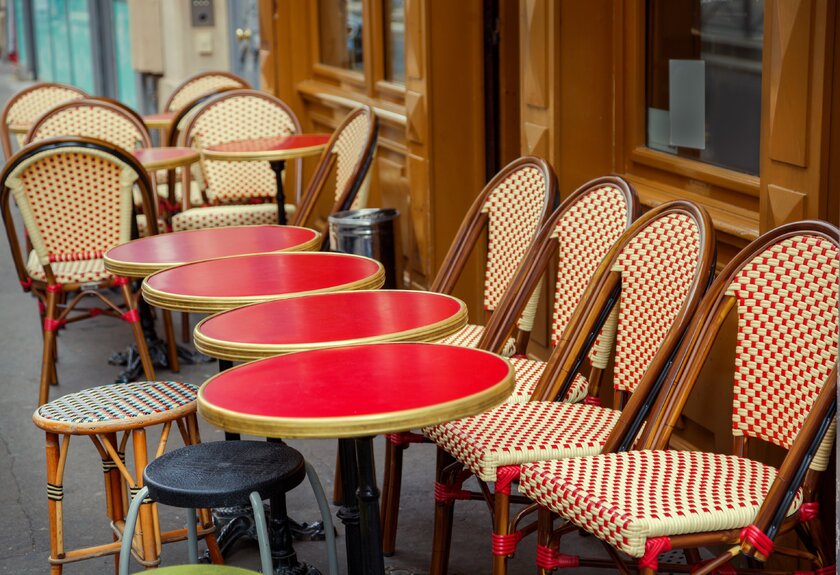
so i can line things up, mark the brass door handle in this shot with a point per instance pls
(243, 34)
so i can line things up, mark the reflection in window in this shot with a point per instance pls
(703, 85)
(394, 11)
(340, 33)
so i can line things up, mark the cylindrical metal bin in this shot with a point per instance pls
(368, 232)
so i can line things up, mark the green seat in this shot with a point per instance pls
(203, 570)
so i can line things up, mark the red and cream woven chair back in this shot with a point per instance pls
(784, 288)
(92, 118)
(653, 277)
(239, 115)
(348, 156)
(28, 105)
(75, 197)
(201, 85)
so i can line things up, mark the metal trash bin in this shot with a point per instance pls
(368, 232)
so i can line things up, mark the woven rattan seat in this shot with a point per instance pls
(470, 335)
(528, 373)
(226, 216)
(223, 473)
(79, 271)
(512, 434)
(120, 406)
(620, 498)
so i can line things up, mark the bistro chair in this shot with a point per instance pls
(75, 196)
(655, 274)
(201, 85)
(237, 193)
(110, 415)
(783, 288)
(226, 474)
(28, 105)
(578, 234)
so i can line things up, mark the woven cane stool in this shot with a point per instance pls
(226, 474)
(110, 415)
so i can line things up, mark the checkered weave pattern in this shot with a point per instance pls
(787, 336)
(79, 271)
(657, 267)
(517, 433)
(119, 401)
(349, 148)
(201, 86)
(31, 105)
(585, 234)
(528, 372)
(76, 203)
(93, 121)
(469, 336)
(222, 216)
(239, 118)
(513, 211)
(626, 498)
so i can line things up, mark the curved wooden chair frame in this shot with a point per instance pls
(50, 292)
(242, 84)
(587, 321)
(797, 469)
(5, 135)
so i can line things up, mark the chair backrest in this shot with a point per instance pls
(200, 85)
(93, 118)
(784, 289)
(75, 198)
(348, 155)
(238, 115)
(182, 116)
(656, 274)
(577, 236)
(29, 104)
(512, 207)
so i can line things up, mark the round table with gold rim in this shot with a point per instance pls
(145, 256)
(212, 286)
(275, 150)
(166, 157)
(329, 320)
(356, 392)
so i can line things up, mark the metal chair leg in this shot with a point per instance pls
(128, 532)
(326, 516)
(262, 532)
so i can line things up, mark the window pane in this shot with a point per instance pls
(704, 80)
(340, 23)
(394, 11)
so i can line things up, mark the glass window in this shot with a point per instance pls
(340, 33)
(394, 11)
(703, 85)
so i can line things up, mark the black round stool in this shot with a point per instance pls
(225, 474)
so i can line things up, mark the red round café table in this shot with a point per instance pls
(215, 285)
(142, 257)
(329, 320)
(356, 392)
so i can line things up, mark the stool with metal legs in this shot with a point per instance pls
(227, 473)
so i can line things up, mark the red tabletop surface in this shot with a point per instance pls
(272, 144)
(356, 382)
(329, 317)
(154, 155)
(195, 245)
(263, 274)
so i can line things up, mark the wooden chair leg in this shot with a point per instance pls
(545, 527)
(142, 349)
(185, 327)
(47, 360)
(147, 520)
(501, 518)
(171, 343)
(54, 500)
(391, 491)
(113, 492)
(444, 513)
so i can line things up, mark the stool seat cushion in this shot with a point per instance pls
(203, 570)
(117, 406)
(223, 473)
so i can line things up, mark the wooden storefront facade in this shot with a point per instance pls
(488, 80)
